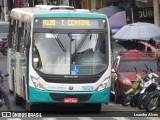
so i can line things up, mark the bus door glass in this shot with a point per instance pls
(88, 54)
(51, 53)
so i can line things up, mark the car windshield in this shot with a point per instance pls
(70, 54)
(128, 65)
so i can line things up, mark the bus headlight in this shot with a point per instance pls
(104, 84)
(36, 83)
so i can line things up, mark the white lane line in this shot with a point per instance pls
(153, 118)
(120, 118)
(49, 118)
(85, 118)
(14, 119)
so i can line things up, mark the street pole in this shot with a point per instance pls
(93, 4)
(156, 12)
(6, 10)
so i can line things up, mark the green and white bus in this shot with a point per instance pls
(58, 54)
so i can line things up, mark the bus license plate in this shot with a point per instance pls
(71, 100)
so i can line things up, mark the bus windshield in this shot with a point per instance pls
(70, 54)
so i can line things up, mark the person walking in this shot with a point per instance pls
(3, 90)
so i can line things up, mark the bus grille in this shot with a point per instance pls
(71, 80)
(60, 97)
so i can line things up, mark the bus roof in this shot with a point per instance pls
(29, 13)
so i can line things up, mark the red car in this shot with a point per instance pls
(124, 73)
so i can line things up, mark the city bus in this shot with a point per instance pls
(59, 54)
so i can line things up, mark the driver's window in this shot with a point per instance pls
(36, 58)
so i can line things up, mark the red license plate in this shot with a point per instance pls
(71, 100)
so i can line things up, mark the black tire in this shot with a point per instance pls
(117, 98)
(140, 101)
(133, 102)
(127, 99)
(13, 81)
(17, 100)
(31, 107)
(94, 107)
(149, 106)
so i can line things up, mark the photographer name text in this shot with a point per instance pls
(146, 114)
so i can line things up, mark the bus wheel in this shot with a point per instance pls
(94, 107)
(12, 78)
(17, 100)
(30, 107)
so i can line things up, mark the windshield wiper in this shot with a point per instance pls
(58, 41)
(84, 38)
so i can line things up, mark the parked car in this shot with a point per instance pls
(150, 49)
(124, 74)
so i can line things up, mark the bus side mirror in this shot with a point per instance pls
(27, 42)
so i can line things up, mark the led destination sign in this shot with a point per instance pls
(70, 23)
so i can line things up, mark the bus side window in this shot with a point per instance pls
(27, 36)
(17, 31)
(14, 36)
(22, 37)
(11, 28)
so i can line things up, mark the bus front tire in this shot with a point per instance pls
(17, 100)
(94, 107)
(30, 107)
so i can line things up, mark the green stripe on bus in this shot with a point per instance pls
(70, 15)
(43, 96)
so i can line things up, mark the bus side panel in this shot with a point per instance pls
(10, 70)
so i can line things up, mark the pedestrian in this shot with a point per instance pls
(3, 90)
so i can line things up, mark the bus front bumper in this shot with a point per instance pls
(44, 96)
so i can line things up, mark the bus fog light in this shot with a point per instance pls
(104, 84)
(36, 83)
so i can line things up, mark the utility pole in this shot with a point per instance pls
(156, 12)
(93, 4)
(6, 10)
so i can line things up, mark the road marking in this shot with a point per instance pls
(153, 118)
(120, 118)
(14, 119)
(49, 119)
(85, 118)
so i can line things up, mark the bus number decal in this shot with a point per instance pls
(88, 88)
